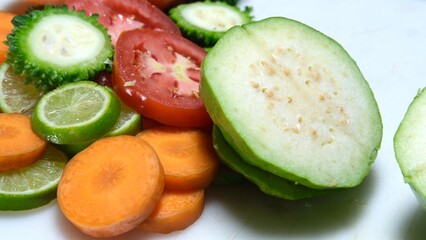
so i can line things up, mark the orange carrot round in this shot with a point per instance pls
(112, 186)
(175, 211)
(6, 27)
(187, 155)
(19, 145)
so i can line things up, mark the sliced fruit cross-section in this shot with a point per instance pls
(76, 113)
(15, 95)
(56, 45)
(32, 186)
(291, 101)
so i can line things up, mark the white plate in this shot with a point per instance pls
(387, 39)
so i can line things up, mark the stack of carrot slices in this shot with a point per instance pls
(153, 181)
(190, 164)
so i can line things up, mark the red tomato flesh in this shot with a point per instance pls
(124, 15)
(167, 4)
(157, 74)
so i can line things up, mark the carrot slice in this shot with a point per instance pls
(187, 155)
(111, 186)
(19, 145)
(6, 27)
(175, 211)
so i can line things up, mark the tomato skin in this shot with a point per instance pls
(124, 15)
(167, 4)
(147, 95)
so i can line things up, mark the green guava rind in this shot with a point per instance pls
(267, 182)
(409, 142)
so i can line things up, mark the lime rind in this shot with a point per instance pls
(15, 95)
(32, 186)
(51, 122)
(129, 123)
(76, 112)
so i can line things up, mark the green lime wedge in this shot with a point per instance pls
(15, 95)
(129, 123)
(32, 186)
(76, 112)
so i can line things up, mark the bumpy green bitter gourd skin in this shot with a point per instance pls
(205, 22)
(57, 45)
(230, 2)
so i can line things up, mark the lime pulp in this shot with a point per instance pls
(76, 112)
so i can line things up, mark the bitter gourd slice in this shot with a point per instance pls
(205, 22)
(57, 45)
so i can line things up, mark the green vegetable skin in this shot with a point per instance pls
(292, 102)
(267, 182)
(55, 45)
(409, 146)
(205, 22)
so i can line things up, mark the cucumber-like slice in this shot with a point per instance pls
(409, 146)
(205, 22)
(291, 101)
(56, 45)
(266, 181)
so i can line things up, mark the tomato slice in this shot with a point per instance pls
(123, 15)
(157, 74)
(167, 4)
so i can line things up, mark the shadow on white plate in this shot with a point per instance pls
(244, 212)
(414, 228)
(260, 215)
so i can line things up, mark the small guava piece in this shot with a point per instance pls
(409, 146)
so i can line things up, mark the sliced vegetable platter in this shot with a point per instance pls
(386, 39)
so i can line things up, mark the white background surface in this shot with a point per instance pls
(387, 38)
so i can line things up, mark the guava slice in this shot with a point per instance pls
(292, 102)
(409, 146)
(266, 181)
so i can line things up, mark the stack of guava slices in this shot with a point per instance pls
(292, 110)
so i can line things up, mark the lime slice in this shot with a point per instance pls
(73, 149)
(76, 112)
(129, 123)
(15, 95)
(32, 186)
